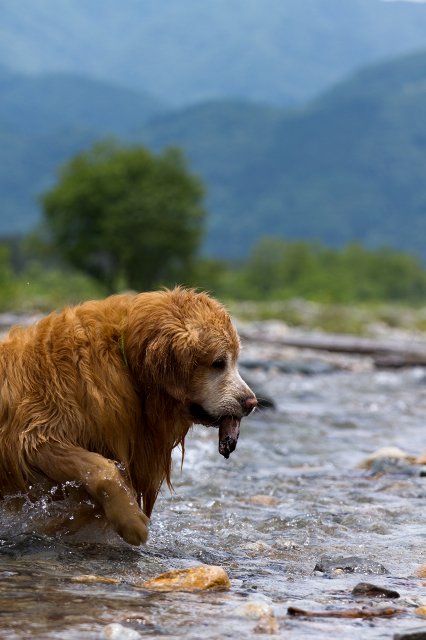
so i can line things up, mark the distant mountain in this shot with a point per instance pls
(39, 104)
(184, 51)
(350, 165)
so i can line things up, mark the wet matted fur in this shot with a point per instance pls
(100, 394)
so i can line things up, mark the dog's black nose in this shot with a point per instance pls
(249, 404)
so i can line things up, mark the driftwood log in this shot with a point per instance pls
(384, 353)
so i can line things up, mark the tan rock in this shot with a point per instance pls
(194, 579)
(257, 548)
(254, 610)
(421, 459)
(264, 500)
(92, 579)
(267, 624)
(420, 611)
(421, 571)
(115, 631)
(284, 544)
(385, 452)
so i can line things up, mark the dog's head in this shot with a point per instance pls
(188, 347)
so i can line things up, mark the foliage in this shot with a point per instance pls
(126, 217)
(304, 284)
(32, 287)
(282, 270)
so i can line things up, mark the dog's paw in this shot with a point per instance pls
(134, 530)
(129, 521)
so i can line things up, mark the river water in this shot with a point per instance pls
(291, 494)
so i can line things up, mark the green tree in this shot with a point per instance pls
(125, 216)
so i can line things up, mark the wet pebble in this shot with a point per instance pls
(417, 633)
(263, 613)
(116, 631)
(421, 571)
(256, 548)
(284, 544)
(264, 500)
(385, 453)
(351, 564)
(400, 466)
(92, 579)
(254, 609)
(373, 591)
(200, 578)
(267, 625)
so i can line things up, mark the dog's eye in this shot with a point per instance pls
(220, 363)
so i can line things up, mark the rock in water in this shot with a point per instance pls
(373, 591)
(229, 431)
(392, 453)
(350, 564)
(115, 631)
(92, 579)
(417, 633)
(194, 579)
(421, 571)
(255, 610)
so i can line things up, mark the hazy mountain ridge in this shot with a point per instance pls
(186, 51)
(349, 165)
(38, 104)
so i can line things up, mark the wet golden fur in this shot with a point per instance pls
(107, 382)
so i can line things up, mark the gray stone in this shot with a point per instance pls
(373, 591)
(350, 564)
(416, 633)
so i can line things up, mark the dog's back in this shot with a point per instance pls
(58, 381)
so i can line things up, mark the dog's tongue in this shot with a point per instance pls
(229, 430)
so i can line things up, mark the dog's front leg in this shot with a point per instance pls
(101, 479)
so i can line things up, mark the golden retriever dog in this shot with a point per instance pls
(98, 395)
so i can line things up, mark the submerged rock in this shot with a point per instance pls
(385, 453)
(116, 631)
(200, 578)
(417, 633)
(373, 591)
(263, 612)
(92, 579)
(267, 625)
(254, 610)
(264, 500)
(258, 547)
(421, 459)
(350, 564)
(421, 571)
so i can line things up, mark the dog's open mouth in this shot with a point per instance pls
(229, 428)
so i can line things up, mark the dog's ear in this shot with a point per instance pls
(169, 360)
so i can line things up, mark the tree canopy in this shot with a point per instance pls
(126, 216)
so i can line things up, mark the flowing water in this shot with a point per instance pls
(289, 495)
